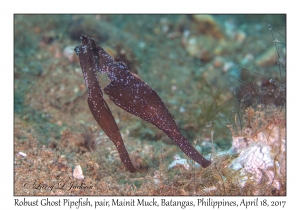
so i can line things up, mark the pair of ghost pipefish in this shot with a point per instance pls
(130, 93)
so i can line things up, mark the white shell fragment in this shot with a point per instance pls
(22, 154)
(179, 161)
(77, 173)
(210, 189)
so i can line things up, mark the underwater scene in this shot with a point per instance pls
(150, 104)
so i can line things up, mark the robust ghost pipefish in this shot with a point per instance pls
(130, 93)
(89, 61)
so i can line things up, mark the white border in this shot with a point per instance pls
(153, 6)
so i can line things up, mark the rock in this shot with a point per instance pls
(207, 25)
(240, 37)
(201, 47)
(257, 161)
(70, 54)
(268, 58)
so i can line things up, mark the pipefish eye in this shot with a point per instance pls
(76, 49)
